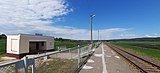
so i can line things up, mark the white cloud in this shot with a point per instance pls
(128, 36)
(154, 35)
(103, 33)
(31, 16)
(112, 33)
(112, 30)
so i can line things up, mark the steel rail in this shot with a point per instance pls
(115, 48)
(128, 60)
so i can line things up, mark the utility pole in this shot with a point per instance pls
(28, 2)
(98, 35)
(91, 22)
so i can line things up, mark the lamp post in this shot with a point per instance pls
(91, 22)
(98, 35)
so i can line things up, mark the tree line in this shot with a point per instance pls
(3, 36)
(139, 39)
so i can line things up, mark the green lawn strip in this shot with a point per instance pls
(2, 54)
(153, 53)
(143, 44)
(58, 66)
(68, 44)
(2, 45)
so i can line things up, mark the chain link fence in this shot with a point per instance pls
(63, 61)
(9, 68)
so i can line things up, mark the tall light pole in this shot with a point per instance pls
(98, 35)
(91, 22)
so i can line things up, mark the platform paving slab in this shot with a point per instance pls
(113, 63)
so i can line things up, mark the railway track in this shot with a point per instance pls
(143, 65)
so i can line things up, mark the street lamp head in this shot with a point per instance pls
(92, 15)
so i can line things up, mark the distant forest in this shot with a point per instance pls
(140, 39)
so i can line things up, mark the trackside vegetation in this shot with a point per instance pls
(69, 43)
(142, 46)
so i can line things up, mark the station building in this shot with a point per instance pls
(24, 44)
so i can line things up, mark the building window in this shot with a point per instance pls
(42, 44)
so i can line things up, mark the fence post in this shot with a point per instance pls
(78, 56)
(26, 64)
(58, 49)
(33, 68)
(70, 53)
(45, 57)
(89, 46)
(81, 51)
(16, 71)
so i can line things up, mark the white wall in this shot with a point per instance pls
(13, 44)
(21, 44)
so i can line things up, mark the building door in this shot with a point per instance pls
(36, 47)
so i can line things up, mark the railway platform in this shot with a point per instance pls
(105, 60)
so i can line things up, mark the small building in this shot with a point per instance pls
(23, 44)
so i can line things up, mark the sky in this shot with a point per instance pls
(115, 19)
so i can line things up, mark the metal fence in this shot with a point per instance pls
(65, 61)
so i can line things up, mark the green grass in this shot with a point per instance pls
(141, 50)
(2, 47)
(143, 44)
(58, 66)
(69, 44)
(55, 66)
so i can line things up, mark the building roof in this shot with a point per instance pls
(28, 35)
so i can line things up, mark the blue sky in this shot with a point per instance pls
(113, 13)
(70, 18)
(141, 16)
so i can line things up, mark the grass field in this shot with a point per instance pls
(144, 48)
(58, 66)
(69, 44)
(2, 47)
(54, 66)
